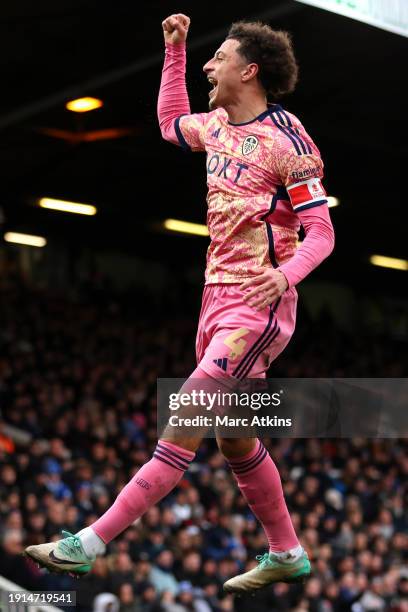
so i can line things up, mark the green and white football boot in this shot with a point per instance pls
(270, 569)
(63, 556)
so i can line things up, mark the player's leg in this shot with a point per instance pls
(259, 481)
(76, 553)
(242, 346)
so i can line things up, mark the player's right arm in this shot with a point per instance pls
(177, 125)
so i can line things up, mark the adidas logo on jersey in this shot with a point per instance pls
(250, 143)
(222, 363)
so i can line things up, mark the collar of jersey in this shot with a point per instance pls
(272, 108)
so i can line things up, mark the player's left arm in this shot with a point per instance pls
(177, 124)
(173, 97)
(317, 245)
(308, 199)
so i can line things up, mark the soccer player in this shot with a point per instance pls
(264, 180)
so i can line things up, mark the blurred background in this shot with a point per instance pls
(98, 305)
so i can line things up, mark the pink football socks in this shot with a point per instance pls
(260, 484)
(256, 475)
(152, 482)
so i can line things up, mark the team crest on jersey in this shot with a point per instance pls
(250, 143)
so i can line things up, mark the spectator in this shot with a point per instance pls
(161, 575)
(127, 598)
(13, 564)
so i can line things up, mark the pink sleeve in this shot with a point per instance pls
(173, 98)
(317, 245)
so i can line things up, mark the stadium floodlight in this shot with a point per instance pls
(389, 262)
(390, 16)
(69, 207)
(83, 105)
(185, 227)
(26, 239)
(332, 201)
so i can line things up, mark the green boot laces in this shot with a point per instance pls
(264, 560)
(70, 541)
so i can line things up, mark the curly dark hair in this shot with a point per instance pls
(272, 51)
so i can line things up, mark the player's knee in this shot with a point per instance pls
(187, 443)
(233, 448)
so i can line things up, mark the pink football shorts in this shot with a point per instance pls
(235, 340)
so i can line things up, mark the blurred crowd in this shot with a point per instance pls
(79, 376)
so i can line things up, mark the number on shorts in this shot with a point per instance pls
(236, 342)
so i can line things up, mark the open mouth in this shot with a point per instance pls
(214, 83)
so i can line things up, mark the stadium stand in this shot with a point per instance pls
(78, 376)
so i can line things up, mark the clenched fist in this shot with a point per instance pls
(175, 28)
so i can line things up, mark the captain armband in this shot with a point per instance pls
(307, 194)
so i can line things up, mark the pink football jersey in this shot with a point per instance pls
(259, 175)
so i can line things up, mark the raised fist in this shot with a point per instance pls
(175, 28)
